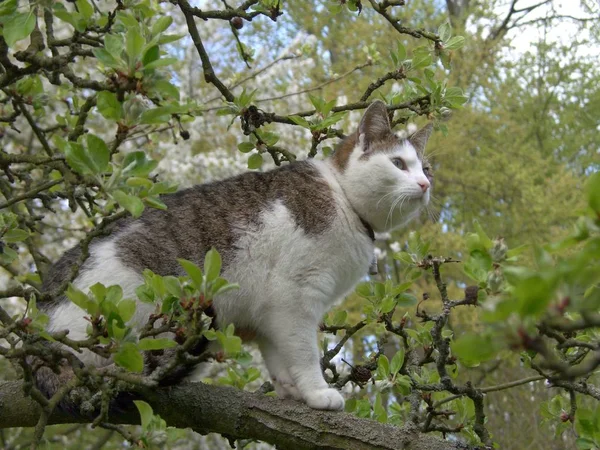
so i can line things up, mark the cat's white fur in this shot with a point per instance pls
(289, 279)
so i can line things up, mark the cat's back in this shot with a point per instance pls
(209, 215)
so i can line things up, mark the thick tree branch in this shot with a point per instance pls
(239, 414)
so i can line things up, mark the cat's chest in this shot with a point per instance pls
(345, 260)
(329, 264)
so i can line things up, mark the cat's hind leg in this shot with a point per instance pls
(282, 380)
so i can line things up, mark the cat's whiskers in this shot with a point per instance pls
(401, 198)
(389, 214)
(433, 207)
(394, 192)
(432, 153)
(432, 213)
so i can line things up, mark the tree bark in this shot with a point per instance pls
(238, 414)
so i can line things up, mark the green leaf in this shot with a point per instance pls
(161, 25)
(592, 187)
(166, 90)
(64, 15)
(18, 27)
(151, 55)
(317, 102)
(300, 121)
(79, 159)
(585, 444)
(193, 272)
(114, 44)
(255, 161)
(128, 20)
(339, 318)
(173, 285)
(455, 43)
(109, 106)
(405, 257)
(14, 235)
(106, 58)
(484, 239)
(146, 413)
(478, 265)
(129, 357)
(405, 300)
(156, 115)
(400, 52)
(245, 147)
(78, 297)
(156, 344)
(134, 43)
(444, 31)
(85, 9)
(397, 362)
(145, 294)
(155, 202)
(144, 183)
(472, 349)
(8, 7)
(162, 187)
(127, 309)
(379, 409)
(534, 293)
(168, 38)
(98, 290)
(131, 203)
(138, 164)
(211, 335)
(232, 345)
(331, 120)
(212, 265)
(99, 152)
(114, 294)
(224, 287)
(364, 289)
(404, 384)
(421, 61)
(7, 255)
(160, 63)
(387, 304)
(168, 304)
(383, 367)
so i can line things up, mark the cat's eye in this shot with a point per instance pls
(427, 171)
(399, 163)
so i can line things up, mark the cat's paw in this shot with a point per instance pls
(329, 399)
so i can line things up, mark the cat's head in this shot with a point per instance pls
(387, 179)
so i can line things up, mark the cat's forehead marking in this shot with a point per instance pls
(394, 143)
(392, 146)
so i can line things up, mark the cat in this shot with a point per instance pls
(296, 239)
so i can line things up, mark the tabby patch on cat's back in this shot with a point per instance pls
(296, 239)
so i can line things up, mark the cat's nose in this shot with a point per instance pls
(424, 185)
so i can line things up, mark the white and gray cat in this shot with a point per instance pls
(296, 239)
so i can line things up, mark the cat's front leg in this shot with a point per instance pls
(292, 344)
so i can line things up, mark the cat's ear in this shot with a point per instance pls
(374, 125)
(419, 139)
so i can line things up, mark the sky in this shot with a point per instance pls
(564, 31)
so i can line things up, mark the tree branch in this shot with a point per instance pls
(240, 414)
